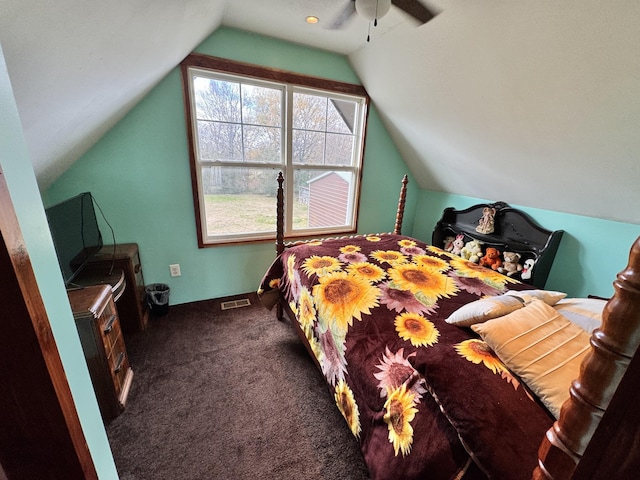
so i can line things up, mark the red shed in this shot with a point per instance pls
(329, 200)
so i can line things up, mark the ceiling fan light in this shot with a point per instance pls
(373, 9)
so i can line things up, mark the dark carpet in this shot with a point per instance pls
(228, 395)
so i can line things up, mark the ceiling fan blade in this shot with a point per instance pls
(416, 9)
(344, 16)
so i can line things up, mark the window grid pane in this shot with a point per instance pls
(323, 130)
(237, 122)
(220, 141)
(217, 100)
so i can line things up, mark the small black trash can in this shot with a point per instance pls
(157, 297)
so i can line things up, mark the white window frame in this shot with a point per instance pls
(220, 69)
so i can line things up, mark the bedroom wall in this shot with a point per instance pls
(139, 174)
(592, 251)
(18, 172)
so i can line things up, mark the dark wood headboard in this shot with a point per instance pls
(514, 231)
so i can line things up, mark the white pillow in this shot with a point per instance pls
(547, 296)
(584, 312)
(485, 309)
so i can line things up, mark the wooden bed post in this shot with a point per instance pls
(614, 345)
(280, 215)
(280, 220)
(280, 229)
(397, 229)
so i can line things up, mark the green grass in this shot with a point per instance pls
(228, 214)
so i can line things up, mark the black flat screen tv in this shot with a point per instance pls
(75, 232)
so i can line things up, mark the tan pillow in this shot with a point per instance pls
(540, 346)
(485, 309)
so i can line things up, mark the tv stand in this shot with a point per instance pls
(132, 307)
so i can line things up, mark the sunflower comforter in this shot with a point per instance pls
(425, 399)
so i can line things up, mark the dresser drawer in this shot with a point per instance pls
(118, 364)
(110, 329)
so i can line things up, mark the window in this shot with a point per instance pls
(246, 124)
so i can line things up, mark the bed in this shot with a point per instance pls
(446, 369)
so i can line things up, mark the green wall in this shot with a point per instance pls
(23, 189)
(139, 174)
(591, 253)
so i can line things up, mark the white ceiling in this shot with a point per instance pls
(534, 103)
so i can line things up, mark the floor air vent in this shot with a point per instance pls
(243, 302)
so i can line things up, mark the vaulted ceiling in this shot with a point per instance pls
(534, 103)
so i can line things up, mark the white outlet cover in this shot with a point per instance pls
(174, 270)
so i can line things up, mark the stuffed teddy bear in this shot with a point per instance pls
(511, 264)
(472, 251)
(458, 243)
(491, 259)
(448, 243)
(527, 269)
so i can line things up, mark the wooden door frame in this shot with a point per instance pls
(41, 433)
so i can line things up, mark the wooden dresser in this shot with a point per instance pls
(134, 314)
(98, 325)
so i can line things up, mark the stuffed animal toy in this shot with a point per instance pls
(527, 269)
(472, 251)
(458, 243)
(448, 243)
(491, 259)
(511, 264)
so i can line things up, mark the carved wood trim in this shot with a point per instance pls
(397, 229)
